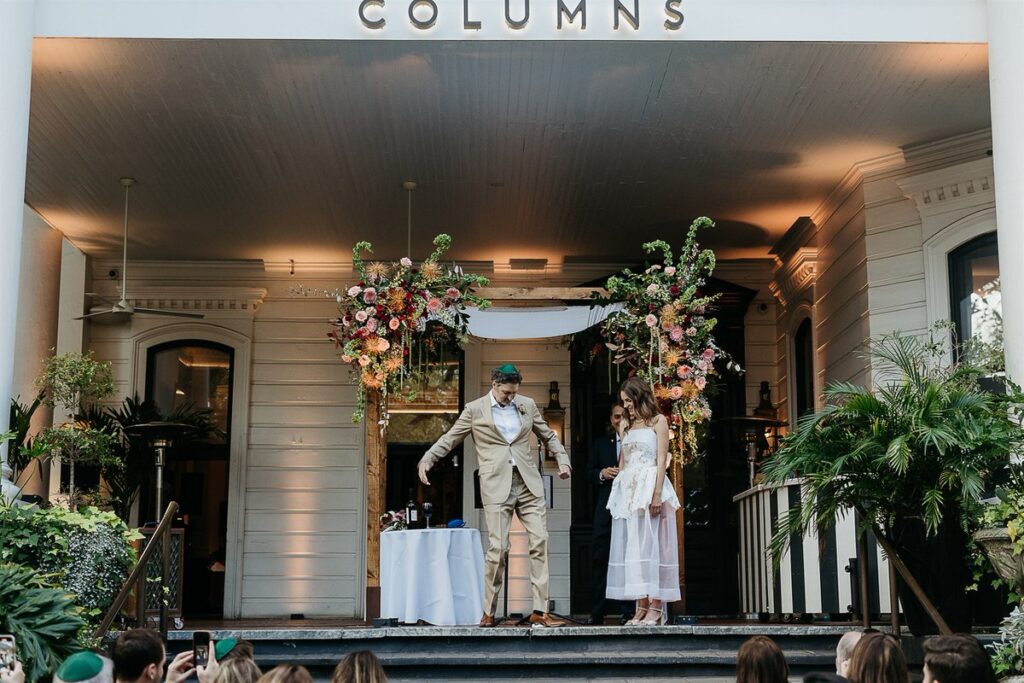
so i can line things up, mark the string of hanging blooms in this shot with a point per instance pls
(664, 333)
(395, 316)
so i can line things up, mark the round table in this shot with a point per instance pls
(434, 575)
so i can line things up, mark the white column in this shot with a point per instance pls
(1006, 81)
(16, 31)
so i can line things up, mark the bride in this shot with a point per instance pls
(643, 564)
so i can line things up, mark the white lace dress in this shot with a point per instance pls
(643, 561)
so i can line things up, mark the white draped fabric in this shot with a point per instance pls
(436, 575)
(536, 323)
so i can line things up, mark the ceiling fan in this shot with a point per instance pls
(120, 311)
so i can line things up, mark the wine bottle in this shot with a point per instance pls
(412, 513)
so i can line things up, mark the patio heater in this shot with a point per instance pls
(160, 436)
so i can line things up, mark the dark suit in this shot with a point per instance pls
(602, 454)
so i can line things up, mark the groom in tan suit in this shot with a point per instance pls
(510, 481)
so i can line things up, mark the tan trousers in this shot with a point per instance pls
(532, 513)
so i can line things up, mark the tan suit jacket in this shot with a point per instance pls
(494, 453)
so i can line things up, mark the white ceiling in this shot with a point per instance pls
(296, 149)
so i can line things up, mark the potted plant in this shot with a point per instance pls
(1000, 535)
(68, 381)
(906, 456)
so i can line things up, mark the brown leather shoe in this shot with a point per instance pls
(538, 620)
(487, 621)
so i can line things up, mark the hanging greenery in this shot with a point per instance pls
(664, 333)
(398, 317)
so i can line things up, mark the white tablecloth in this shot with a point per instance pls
(436, 575)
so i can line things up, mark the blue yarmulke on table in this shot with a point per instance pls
(456, 524)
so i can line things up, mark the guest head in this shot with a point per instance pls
(956, 659)
(505, 381)
(237, 670)
(232, 648)
(638, 399)
(877, 658)
(760, 660)
(844, 649)
(85, 667)
(287, 673)
(360, 667)
(138, 655)
(616, 414)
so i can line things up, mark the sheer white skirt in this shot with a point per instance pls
(643, 560)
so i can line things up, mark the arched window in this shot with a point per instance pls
(975, 302)
(803, 368)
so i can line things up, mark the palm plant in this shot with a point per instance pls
(19, 445)
(910, 451)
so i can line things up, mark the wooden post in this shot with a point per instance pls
(376, 480)
(677, 484)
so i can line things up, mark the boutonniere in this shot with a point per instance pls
(521, 409)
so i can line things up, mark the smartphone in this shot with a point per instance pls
(200, 648)
(8, 653)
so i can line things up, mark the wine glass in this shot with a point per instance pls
(428, 510)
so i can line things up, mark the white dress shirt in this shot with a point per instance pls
(618, 452)
(506, 418)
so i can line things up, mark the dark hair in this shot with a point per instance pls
(498, 376)
(134, 650)
(877, 658)
(287, 673)
(761, 661)
(958, 658)
(242, 650)
(359, 667)
(639, 392)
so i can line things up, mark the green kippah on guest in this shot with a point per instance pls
(85, 667)
(506, 374)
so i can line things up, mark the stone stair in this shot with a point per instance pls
(577, 653)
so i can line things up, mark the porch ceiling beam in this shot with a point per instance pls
(506, 295)
(933, 21)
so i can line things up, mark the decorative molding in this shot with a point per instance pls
(951, 188)
(200, 299)
(794, 275)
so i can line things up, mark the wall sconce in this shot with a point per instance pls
(554, 415)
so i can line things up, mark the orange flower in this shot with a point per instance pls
(430, 270)
(395, 299)
(370, 380)
(376, 270)
(393, 363)
(660, 392)
(671, 358)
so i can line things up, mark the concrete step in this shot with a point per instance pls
(578, 653)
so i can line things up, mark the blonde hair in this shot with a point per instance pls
(238, 670)
(360, 667)
(287, 673)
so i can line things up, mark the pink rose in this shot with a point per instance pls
(709, 353)
(354, 290)
(652, 289)
(406, 261)
(364, 360)
(675, 393)
(670, 270)
(369, 295)
(346, 358)
(453, 293)
(383, 344)
(691, 331)
(676, 334)
(434, 305)
(371, 324)
(651, 320)
(700, 382)
(702, 365)
(394, 323)
(684, 371)
(361, 316)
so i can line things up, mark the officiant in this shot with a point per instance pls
(602, 467)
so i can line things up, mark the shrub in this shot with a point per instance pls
(43, 620)
(87, 553)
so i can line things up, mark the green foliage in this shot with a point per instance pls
(1007, 511)
(1008, 652)
(44, 621)
(86, 553)
(19, 445)
(72, 378)
(921, 444)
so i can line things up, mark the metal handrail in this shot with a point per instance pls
(138, 575)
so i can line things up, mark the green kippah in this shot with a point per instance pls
(508, 369)
(223, 647)
(80, 666)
